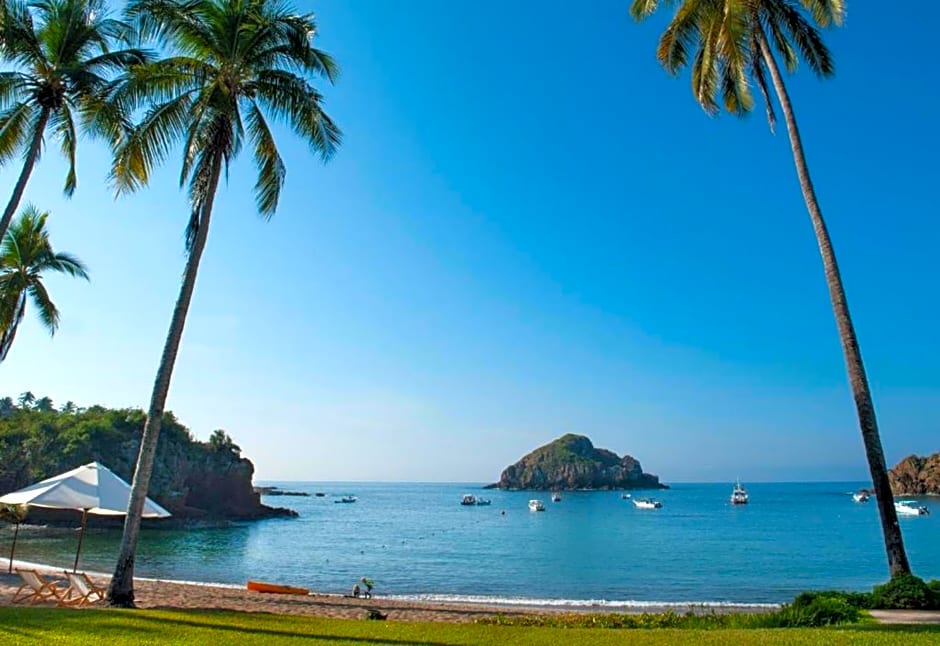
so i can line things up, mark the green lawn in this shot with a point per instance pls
(195, 628)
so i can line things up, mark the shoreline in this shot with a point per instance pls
(176, 594)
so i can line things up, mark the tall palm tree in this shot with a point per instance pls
(233, 64)
(62, 62)
(25, 256)
(732, 45)
(26, 399)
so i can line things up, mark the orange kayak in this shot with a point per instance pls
(258, 586)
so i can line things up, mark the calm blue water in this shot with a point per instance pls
(416, 540)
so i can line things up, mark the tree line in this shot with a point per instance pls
(205, 77)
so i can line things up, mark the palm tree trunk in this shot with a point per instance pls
(121, 589)
(894, 543)
(28, 164)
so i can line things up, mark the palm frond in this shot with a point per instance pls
(15, 130)
(46, 310)
(297, 103)
(271, 170)
(64, 127)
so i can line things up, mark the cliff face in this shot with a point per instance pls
(191, 479)
(915, 475)
(571, 462)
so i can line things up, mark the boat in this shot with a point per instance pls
(625, 496)
(910, 508)
(468, 499)
(319, 494)
(274, 588)
(739, 495)
(536, 505)
(647, 503)
(346, 499)
(862, 495)
(556, 497)
(482, 502)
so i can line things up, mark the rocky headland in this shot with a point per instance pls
(198, 482)
(572, 463)
(916, 476)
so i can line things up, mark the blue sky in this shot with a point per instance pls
(530, 229)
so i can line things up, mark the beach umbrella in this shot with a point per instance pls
(91, 489)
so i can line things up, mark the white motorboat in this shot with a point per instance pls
(862, 495)
(346, 499)
(468, 499)
(646, 503)
(536, 505)
(910, 508)
(625, 496)
(556, 497)
(739, 495)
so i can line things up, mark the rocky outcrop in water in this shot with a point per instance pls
(571, 463)
(916, 476)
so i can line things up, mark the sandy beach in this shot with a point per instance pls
(206, 596)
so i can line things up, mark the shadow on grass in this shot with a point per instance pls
(164, 621)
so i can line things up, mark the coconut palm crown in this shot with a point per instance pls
(732, 43)
(59, 62)
(237, 64)
(25, 256)
(233, 66)
(724, 39)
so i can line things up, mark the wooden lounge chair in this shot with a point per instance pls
(82, 591)
(35, 588)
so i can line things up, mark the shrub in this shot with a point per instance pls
(813, 613)
(935, 586)
(905, 592)
(860, 600)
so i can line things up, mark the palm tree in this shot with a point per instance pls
(25, 256)
(26, 399)
(61, 61)
(734, 43)
(233, 64)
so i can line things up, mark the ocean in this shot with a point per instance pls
(590, 549)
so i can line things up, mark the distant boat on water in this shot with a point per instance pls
(346, 499)
(739, 495)
(910, 508)
(468, 500)
(536, 505)
(556, 497)
(647, 503)
(625, 496)
(862, 495)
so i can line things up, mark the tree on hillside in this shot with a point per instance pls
(232, 65)
(25, 257)
(26, 399)
(61, 63)
(7, 407)
(44, 405)
(731, 45)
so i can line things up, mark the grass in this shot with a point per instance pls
(116, 627)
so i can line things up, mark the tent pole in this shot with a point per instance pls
(81, 536)
(16, 531)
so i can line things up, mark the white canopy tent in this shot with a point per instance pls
(91, 488)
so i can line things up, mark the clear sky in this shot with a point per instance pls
(529, 230)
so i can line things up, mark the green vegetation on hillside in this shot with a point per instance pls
(38, 440)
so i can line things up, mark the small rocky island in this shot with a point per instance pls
(571, 463)
(916, 476)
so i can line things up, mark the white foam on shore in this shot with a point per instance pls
(525, 602)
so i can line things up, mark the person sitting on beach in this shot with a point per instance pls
(368, 583)
(355, 591)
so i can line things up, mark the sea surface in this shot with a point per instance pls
(592, 548)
